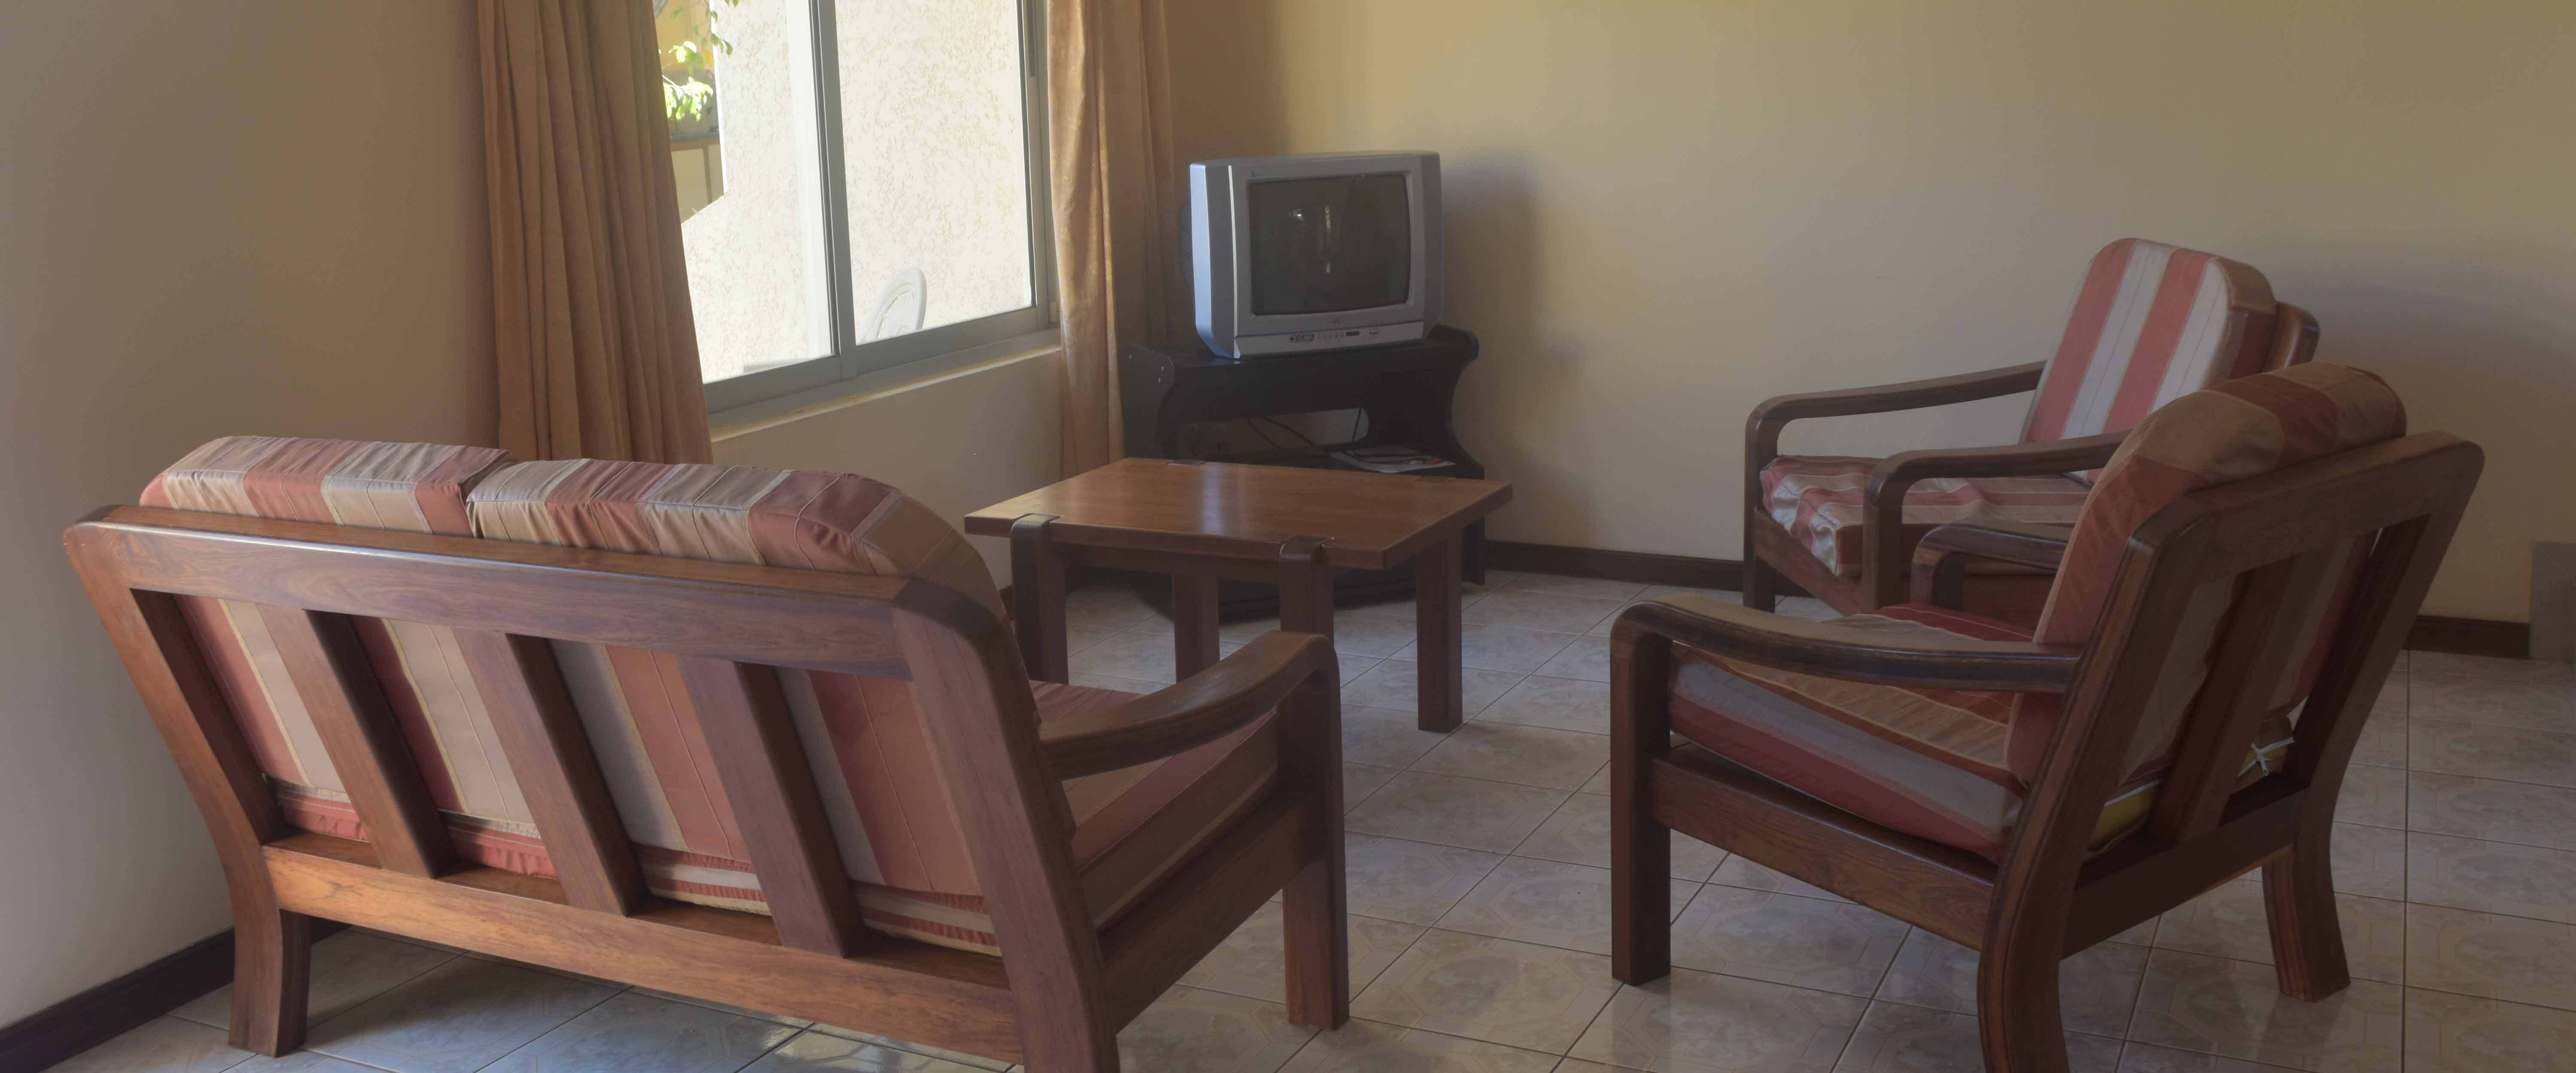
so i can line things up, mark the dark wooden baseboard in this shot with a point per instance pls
(1645, 568)
(2431, 633)
(107, 1011)
(2470, 636)
(47, 1036)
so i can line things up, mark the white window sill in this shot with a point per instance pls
(770, 413)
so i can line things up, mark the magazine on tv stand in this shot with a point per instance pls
(1390, 458)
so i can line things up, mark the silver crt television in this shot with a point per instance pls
(1328, 251)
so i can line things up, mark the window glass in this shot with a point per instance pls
(934, 146)
(915, 215)
(759, 270)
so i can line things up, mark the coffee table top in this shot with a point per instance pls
(1370, 521)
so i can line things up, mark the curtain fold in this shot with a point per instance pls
(597, 349)
(1116, 189)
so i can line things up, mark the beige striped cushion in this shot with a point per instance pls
(412, 487)
(866, 736)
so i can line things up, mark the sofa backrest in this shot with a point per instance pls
(2152, 323)
(409, 487)
(882, 788)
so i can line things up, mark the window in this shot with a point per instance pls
(862, 183)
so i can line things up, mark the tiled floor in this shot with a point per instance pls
(1478, 884)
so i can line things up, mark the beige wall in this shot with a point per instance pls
(1660, 213)
(259, 218)
(956, 442)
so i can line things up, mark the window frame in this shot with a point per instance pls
(850, 359)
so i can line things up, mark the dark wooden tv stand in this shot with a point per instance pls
(1405, 390)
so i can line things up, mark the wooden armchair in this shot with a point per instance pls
(2222, 620)
(503, 799)
(2151, 323)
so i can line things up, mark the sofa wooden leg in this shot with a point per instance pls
(1316, 928)
(1316, 902)
(272, 971)
(2307, 937)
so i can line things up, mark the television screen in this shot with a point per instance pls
(1330, 244)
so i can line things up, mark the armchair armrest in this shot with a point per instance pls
(1762, 429)
(1882, 506)
(1208, 705)
(1941, 559)
(1852, 653)
(2010, 460)
(1906, 395)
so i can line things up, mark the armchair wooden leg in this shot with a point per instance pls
(1093, 1049)
(2299, 902)
(272, 973)
(1641, 928)
(1761, 583)
(2018, 1019)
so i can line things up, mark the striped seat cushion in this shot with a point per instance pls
(412, 487)
(1818, 500)
(867, 739)
(2152, 323)
(1928, 762)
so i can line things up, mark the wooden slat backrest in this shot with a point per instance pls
(2410, 492)
(732, 625)
(761, 768)
(532, 711)
(330, 669)
(2283, 529)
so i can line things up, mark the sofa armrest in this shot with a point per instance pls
(1204, 707)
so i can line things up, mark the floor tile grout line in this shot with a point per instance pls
(558, 1026)
(2484, 998)
(1355, 1019)
(451, 958)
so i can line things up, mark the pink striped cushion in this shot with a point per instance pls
(413, 487)
(1928, 762)
(1818, 499)
(881, 787)
(2152, 323)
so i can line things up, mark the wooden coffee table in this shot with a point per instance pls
(1202, 522)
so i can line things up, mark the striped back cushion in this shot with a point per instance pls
(2219, 435)
(2153, 323)
(870, 751)
(413, 487)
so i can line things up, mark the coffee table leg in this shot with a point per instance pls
(1037, 598)
(1436, 638)
(1305, 587)
(1193, 624)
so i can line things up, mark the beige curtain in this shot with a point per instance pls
(598, 354)
(1116, 188)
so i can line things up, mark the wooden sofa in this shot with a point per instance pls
(391, 721)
